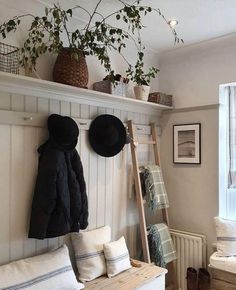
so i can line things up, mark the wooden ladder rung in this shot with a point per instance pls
(149, 142)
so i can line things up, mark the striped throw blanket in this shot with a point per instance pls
(161, 246)
(154, 187)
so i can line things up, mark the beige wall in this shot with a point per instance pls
(192, 189)
(193, 73)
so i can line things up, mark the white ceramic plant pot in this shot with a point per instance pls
(141, 92)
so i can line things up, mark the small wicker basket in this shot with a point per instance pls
(9, 58)
(118, 89)
(160, 98)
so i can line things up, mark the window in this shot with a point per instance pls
(227, 152)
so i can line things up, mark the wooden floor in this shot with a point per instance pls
(128, 280)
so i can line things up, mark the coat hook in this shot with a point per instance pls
(135, 143)
(28, 118)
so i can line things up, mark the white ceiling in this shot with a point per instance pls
(199, 20)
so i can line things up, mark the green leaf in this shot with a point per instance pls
(55, 14)
(11, 22)
(69, 11)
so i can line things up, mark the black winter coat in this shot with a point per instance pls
(60, 201)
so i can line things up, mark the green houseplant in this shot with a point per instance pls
(97, 38)
(141, 78)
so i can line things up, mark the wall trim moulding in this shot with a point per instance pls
(40, 120)
(194, 108)
(17, 84)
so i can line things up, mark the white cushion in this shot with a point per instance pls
(226, 236)
(89, 255)
(117, 257)
(48, 271)
(227, 264)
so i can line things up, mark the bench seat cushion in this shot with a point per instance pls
(52, 270)
(223, 263)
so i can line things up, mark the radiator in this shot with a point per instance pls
(191, 252)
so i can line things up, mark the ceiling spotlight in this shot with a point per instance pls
(173, 22)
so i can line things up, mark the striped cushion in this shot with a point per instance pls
(117, 257)
(88, 247)
(48, 271)
(226, 237)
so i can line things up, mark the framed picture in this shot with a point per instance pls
(187, 143)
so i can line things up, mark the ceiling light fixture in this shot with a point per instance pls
(173, 22)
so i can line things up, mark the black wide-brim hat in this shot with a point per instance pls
(63, 130)
(107, 135)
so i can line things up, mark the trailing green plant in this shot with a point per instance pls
(97, 37)
(136, 73)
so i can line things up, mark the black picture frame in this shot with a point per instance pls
(187, 143)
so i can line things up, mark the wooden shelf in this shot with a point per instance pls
(17, 84)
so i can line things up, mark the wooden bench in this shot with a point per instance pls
(144, 277)
(222, 280)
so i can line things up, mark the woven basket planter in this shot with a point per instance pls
(70, 71)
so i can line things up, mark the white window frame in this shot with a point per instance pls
(225, 193)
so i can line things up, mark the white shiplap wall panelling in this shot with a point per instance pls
(54, 107)
(18, 203)
(109, 167)
(101, 193)
(41, 245)
(92, 180)
(31, 104)
(42, 105)
(5, 192)
(5, 101)
(107, 179)
(17, 103)
(117, 213)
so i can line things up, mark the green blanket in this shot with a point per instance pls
(154, 187)
(161, 246)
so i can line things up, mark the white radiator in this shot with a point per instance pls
(191, 252)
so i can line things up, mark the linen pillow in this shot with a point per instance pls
(117, 257)
(226, 236)
(52, 270)
(89, 255)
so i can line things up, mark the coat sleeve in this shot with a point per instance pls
(83, 212)
(44, 200)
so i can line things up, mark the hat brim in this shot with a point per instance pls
(102, 149)
(63, 146)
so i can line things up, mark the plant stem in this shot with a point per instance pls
(82, 8)
(95, 9)
(177, 39)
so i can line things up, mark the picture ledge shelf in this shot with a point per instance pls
(18, 84)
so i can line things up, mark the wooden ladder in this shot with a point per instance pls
(138, 190)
